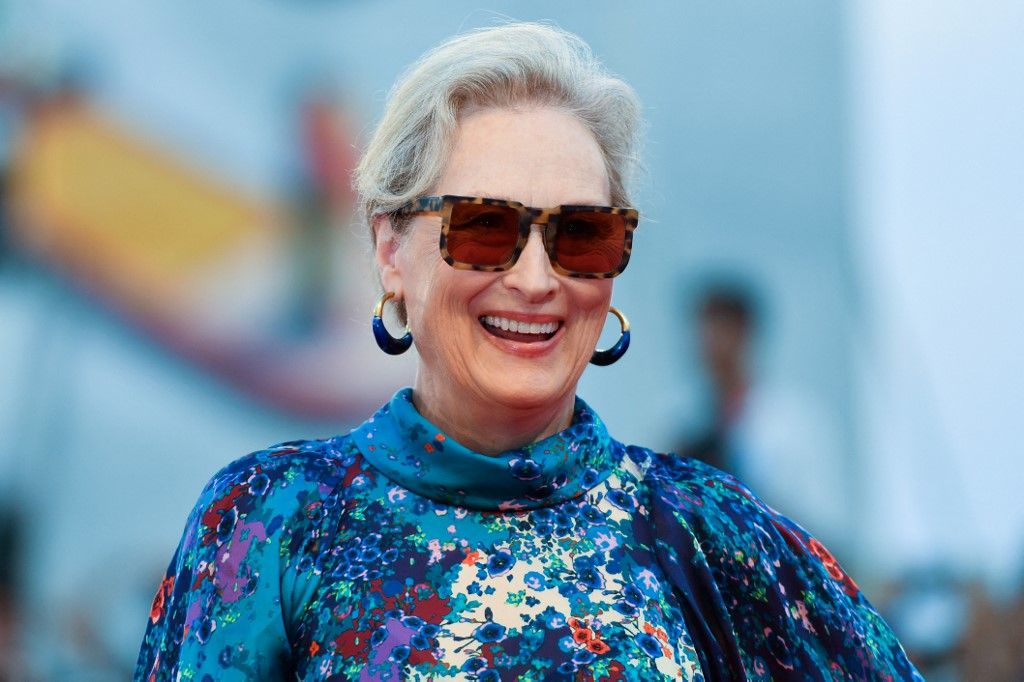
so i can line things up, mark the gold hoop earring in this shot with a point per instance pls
(602, 358)
(389, 344)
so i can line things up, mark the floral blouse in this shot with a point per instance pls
(394, 553)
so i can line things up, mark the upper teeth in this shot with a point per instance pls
(520, 327)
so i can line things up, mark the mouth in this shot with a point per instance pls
(516, 330)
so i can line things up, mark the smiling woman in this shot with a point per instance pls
(483, 524)
(470, 370)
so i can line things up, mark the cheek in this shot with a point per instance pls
(418, 271)
(596, 297)
(592, 301)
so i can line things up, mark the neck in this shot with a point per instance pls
(488, 427)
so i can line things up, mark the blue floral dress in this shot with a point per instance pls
(393, 552)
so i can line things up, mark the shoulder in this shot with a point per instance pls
(701, 491)
(258, 515)
(763, 573)
(283, 476)
(246, 562)
(693, 486)
(729, 520)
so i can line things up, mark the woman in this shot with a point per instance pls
(484, 525)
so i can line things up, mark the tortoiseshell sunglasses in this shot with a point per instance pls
(484, 234)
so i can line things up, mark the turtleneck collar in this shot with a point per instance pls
(417, 455)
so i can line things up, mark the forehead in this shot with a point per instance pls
(540, 156)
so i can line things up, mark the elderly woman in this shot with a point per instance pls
(484, 525)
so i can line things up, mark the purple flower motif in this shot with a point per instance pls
(489, 632)
(592, 513)
(206, 627)
(590, 578)
(632, 595)
(500, 563)
(226, 525)
(535, 581)
(378, 636)
(649, 645)
(258, 483)
(414, 622)
(524, 469)
(355, 571)
(553, 620)
(544, 514)
(567, 668)
(621, 499)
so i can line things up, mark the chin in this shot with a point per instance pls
(515, 389)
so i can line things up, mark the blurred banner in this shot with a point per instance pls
(240, 284)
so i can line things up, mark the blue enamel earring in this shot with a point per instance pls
(602, 358)
(389, 344)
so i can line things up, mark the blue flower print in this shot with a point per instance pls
(489, 632)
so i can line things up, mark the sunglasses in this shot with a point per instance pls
(488, 235)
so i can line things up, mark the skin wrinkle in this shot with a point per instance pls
(484, 396)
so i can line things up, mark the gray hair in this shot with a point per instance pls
(503, 66)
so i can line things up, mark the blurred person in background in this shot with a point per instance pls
(726, 322)
(773, 438)
(10, 591)
(484, 524)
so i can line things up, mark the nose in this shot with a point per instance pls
(532, 275)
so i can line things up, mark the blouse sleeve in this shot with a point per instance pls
(241, 571)
(766, 600)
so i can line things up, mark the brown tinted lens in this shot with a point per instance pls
(590, 241)
(481, 234)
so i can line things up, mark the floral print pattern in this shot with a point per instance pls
(394, 553)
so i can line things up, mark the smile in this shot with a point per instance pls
(515, 330)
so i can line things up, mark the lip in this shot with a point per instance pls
(524, 349)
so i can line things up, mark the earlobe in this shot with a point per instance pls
(386, 254)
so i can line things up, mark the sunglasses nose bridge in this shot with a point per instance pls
(546, 219)
(540, 216)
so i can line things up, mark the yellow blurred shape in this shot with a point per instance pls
(92, 192)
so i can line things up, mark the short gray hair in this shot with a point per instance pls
(503, 66)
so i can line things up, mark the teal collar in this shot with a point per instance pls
(417, 455)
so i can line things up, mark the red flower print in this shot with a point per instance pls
(156, 611)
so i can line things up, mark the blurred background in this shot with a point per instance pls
(825, 291)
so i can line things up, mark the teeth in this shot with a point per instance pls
(520, 327)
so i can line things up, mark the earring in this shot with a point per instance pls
(602, 358)
(388, 343)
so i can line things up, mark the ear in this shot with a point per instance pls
(386, 254)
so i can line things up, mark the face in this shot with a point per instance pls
(541, 157)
